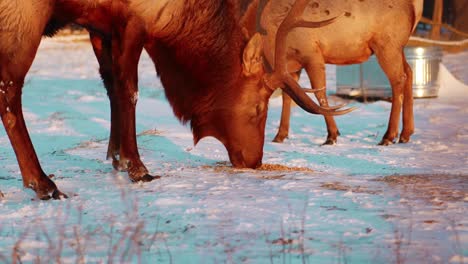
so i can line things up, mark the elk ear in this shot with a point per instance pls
(252, 60)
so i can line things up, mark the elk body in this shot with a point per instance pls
(365, 27)
(211, 72)
(212, 75)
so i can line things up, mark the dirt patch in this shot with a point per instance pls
(151, 132)
(338, 186)
(436, 189)
(87, 145)
(278, 167)
(226, 167)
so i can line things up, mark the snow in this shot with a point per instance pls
(360, 203)
(447, 80)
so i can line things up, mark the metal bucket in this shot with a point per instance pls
(367, 79)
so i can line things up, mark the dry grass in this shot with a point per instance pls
(435, 189)
(151, 132)
(278, 167)
(70, 240)
(225, 167)
(338, 186)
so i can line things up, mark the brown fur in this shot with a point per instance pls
(193, 61)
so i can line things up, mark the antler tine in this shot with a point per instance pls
(335, 107)
(294, 90)
(310, 90)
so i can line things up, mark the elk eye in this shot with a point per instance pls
(259, 109)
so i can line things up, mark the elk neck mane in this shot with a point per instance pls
(200, 58)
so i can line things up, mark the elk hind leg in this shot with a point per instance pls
(408, 115)
(283, 130)
(317, 77)
(102, 47)
(392, 62)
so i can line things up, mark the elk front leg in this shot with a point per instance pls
(317, 77)
(12, 117)
(127, 46)
(102, 46)
(283, 130)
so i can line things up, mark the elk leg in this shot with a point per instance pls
(392, 62)
(317, 77)
(126, 50)
(408, 117)
(102, 47)
(283, 129)
(12, 117)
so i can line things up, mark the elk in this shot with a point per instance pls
(365, 27)
(212, 75)
(22, 24)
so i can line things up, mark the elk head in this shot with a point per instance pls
(240, 113)
(229, 93)
(240, 116)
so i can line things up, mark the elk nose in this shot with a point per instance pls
(258, 164)
(253, 164)
(240, 160)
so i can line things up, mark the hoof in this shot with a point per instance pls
(386, 142)
(56, 195)
(120, 165)
(329, 141)
(146, 178)
(279, 139)
(115, 164)
(403, 140)
(46, 189)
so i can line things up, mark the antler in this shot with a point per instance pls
(281, 77)
(258, 24)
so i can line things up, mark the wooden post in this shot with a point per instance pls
(461, 19)
(437, 19)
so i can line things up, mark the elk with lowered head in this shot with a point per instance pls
(212, 75)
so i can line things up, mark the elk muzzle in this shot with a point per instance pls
(243, 159)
